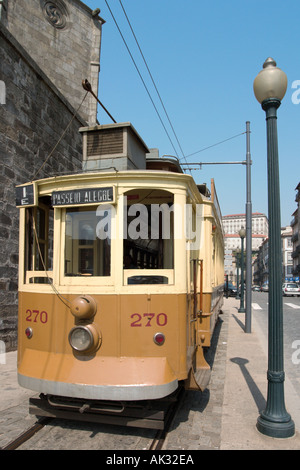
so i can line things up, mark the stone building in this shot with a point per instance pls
(63, 37)
(46, 49)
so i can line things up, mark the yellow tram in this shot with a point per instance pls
(120, 275)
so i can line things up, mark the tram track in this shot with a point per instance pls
(159, 439)
(156, 443)
(28, 434)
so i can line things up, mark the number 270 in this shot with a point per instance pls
(161, 319)
(36, 316)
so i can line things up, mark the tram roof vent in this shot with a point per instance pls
(116, 146)
(203, 189)
(165, 163)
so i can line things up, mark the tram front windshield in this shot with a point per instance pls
(85, 253)
(148, 236)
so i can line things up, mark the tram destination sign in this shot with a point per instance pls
(74, 197)
(26, 195)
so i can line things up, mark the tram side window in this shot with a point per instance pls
(149, 233)
(38, 244)
(86, 253)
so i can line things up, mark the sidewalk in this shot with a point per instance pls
(223, 417)
(245, 388)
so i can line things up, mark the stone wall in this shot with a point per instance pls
(33, 117)
(63, 37)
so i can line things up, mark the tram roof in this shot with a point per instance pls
(83, 178)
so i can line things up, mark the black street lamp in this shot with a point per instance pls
(269, 88)
(237, 277)
(242, 234)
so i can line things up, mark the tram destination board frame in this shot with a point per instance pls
(82, 196)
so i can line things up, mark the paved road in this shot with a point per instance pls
(291, 334)
(222, 417)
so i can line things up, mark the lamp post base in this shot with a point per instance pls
(278, 429)
(242, 310)
(275, 421)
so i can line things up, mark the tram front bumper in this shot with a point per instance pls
(97, 378)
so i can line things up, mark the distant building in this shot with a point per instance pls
(260, 267)
(295, 224)
(261, 262)
(287, 248)
(232, 224)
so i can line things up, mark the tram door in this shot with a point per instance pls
(196, 299)
(200, 374)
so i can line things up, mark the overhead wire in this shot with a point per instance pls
(140, 75)
(61, 137)
(214, 145)
(152, 79)
(159, 96)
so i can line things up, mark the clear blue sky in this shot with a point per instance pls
(203, 57)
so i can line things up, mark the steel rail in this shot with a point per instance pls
(26, 435)
(159, 439)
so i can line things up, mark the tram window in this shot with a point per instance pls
(149, 232)
(148, 280)
(38, 244)
(85, 253)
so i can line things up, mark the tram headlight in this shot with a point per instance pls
(84, 338)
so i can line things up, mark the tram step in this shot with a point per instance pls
(202, 378)
(151, 417)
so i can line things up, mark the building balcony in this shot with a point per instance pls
(296, 252)
(296, 270)
(294, 221)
